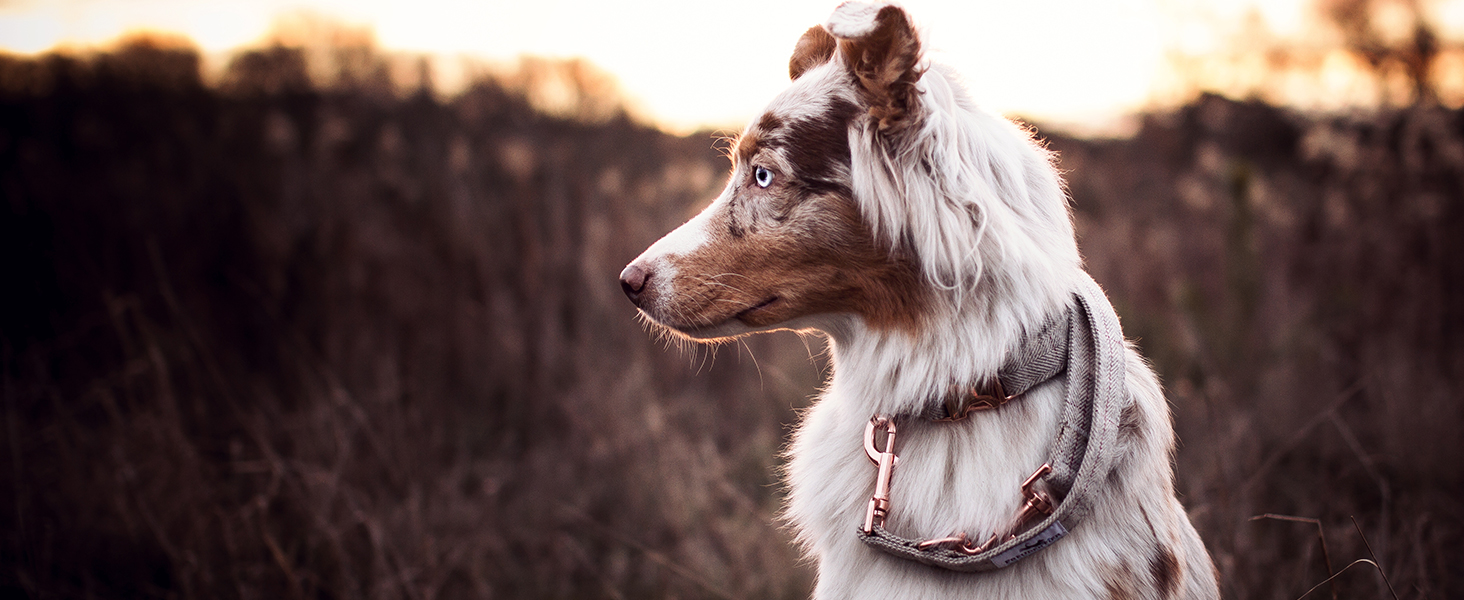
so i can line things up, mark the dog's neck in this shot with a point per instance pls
(962, 342)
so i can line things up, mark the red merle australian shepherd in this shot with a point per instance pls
(986, 432)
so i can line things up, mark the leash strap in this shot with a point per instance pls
(1091, 350)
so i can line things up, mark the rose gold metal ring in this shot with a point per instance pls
(960, 405)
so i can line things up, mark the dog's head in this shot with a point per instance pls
(842, 202)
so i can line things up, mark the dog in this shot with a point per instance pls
(932, 244)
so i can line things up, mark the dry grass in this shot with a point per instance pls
(274, 339)
(1296, 281)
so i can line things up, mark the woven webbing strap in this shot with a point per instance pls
(1091, 351)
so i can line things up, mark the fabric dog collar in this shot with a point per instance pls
(1087, 343)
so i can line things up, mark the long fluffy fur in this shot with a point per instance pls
(981, 208)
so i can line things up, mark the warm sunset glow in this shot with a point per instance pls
(696, 64)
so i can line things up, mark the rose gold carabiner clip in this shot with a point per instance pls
(879, 504)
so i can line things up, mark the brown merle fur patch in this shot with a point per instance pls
(884, 63)
(1164, 566)
(752, 141)
(1120, 582)
(801, 243)
(1131, 424)
(816, 47)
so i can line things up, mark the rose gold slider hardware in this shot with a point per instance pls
(975, 401)
(879, 504)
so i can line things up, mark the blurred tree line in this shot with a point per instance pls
(1297, 281)
(1348, 53)
(292, 336)
(311, 332)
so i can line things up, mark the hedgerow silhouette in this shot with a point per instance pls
(273, 336)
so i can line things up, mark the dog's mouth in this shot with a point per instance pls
(755, 309)
(730, 327)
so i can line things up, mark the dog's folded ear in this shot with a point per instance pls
(816, 47)
(881, 49)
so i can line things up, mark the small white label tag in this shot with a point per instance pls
(1054, 532)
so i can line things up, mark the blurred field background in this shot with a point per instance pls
(314, 330)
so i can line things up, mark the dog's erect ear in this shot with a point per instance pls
(882, 51)
(816, 47)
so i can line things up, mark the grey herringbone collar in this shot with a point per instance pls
(1087, 344)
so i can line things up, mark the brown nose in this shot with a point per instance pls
(633, 281)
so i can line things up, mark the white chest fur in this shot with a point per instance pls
(952, 477)
(965, 476)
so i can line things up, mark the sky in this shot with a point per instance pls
(686, 64)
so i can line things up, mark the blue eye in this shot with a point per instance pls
(763, 177)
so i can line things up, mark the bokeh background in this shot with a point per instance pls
(324, 317)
